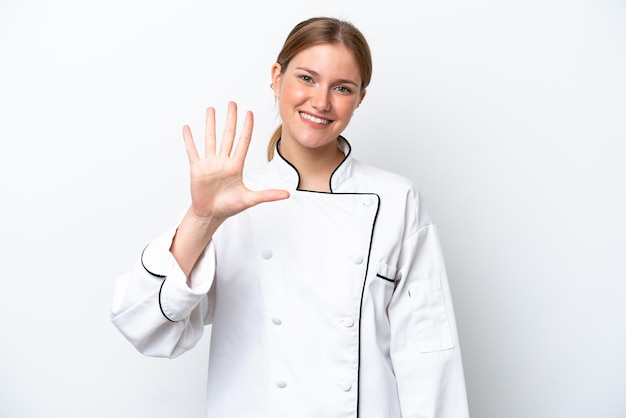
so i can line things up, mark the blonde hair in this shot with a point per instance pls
(323, 30)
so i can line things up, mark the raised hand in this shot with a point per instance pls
(217, 189)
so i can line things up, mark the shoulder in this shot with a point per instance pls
(378, 178)
(398, 194)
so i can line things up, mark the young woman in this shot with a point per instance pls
(322, 277)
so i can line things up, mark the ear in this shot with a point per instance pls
(362, 97)
(275, 77)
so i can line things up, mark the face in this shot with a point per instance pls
(317, 95)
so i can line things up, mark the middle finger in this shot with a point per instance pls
(228, 138)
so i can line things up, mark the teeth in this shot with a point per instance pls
(314, 119)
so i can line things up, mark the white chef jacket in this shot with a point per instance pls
(322, 305)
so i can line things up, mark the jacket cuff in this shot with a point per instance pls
(178, 296)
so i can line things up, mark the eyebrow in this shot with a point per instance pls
(315, 73)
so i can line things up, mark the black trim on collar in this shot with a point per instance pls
(287, 161)
(330, 180)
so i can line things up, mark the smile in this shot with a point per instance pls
(313, 119)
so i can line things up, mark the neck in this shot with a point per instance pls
(315, 165)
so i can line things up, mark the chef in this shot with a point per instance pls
(320, 277)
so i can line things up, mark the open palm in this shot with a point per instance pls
(217, 188)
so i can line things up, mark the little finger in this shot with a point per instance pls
(190, 146)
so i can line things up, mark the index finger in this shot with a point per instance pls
(244, 138)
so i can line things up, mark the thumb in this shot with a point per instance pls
(269, 195)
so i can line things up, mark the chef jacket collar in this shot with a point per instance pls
(288, 173)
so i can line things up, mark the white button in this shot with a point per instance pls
(266, 254)
(281, 384)
(368, 202)
(358, 259)
(276, 321)
(345, 386)
(346, 322)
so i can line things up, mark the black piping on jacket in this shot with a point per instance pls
(160, 276)
(330, 180)
(366, 269)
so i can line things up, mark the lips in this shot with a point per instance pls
(311, 118)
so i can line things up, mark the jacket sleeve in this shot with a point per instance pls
(156, 309)
(424, 348)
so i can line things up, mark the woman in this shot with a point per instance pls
(322, 276)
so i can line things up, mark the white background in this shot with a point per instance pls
(509, 115)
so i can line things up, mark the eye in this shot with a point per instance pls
(306, 78)
(343, 89)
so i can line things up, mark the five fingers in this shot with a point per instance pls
(228, 138)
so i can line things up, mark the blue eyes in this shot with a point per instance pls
(340, 88)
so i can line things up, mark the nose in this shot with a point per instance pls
(320, 99)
